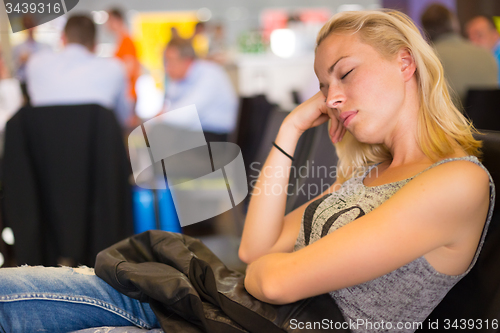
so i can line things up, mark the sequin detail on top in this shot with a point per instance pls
(406, 295)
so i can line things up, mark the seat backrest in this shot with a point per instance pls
(270, 130)
(477, 295)
(253, 117)
(317, 171)
(483, 108)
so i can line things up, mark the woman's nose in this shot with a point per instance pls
(335, 99)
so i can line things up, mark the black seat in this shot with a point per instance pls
(316, 171)
(65, 184)
(253, 118)
(483, 108)
(477, 295)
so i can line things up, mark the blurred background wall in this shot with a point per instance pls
(254, 64)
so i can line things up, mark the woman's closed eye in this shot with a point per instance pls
(344, 76)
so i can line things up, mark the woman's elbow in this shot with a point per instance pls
(274, 293)
(267, 288)
(247, 253)
(245, 256)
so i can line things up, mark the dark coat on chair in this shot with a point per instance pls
(65, 183)
(190, 289)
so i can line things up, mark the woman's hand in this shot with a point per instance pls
(314, 112)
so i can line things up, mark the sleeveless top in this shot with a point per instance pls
(401, 299)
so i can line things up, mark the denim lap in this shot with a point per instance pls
(63, 299)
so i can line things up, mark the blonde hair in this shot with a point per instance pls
(440, 124)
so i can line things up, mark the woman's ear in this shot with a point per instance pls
(407, 62)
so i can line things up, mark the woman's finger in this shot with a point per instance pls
(320, 120)
(343, 133)
(332, 125)
(332, 129)
(338, 132)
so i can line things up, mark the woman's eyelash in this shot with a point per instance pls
(346, 74)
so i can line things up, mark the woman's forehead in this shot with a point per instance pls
(337, 46)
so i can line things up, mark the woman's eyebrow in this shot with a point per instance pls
(332, 67)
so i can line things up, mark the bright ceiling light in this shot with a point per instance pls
(283, 42)
(100, 17)
(204, 14)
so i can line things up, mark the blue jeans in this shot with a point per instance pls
(65, 299)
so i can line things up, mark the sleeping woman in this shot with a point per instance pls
(404, 221)
(388, 243)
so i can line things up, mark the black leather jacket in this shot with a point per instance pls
(190, 289)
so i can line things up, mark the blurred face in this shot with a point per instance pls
(113, 24)
(480, 33)
(366, 90)
(176, 66)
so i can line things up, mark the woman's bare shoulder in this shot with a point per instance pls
(467, 174)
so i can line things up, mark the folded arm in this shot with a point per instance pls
(267, 229)
(432, 212)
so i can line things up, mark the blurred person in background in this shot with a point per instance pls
(200, 40)
(76, 75)
(465, 65)
(22, 52)
(11, 97)
(125, 50)
(174, 34)
(482, 31)
(203, 83)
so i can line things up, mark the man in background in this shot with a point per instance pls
(125, 50)
(76, 75)
(22, 52)
(482, 31)
(465, 65)
(204, 84)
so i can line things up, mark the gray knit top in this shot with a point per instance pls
(401, 299)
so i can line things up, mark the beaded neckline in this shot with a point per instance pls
(468, 157)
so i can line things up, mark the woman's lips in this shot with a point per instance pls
(346, 117)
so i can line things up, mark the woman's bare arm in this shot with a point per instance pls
(432, 211)
(266, 228)
(264, 220)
